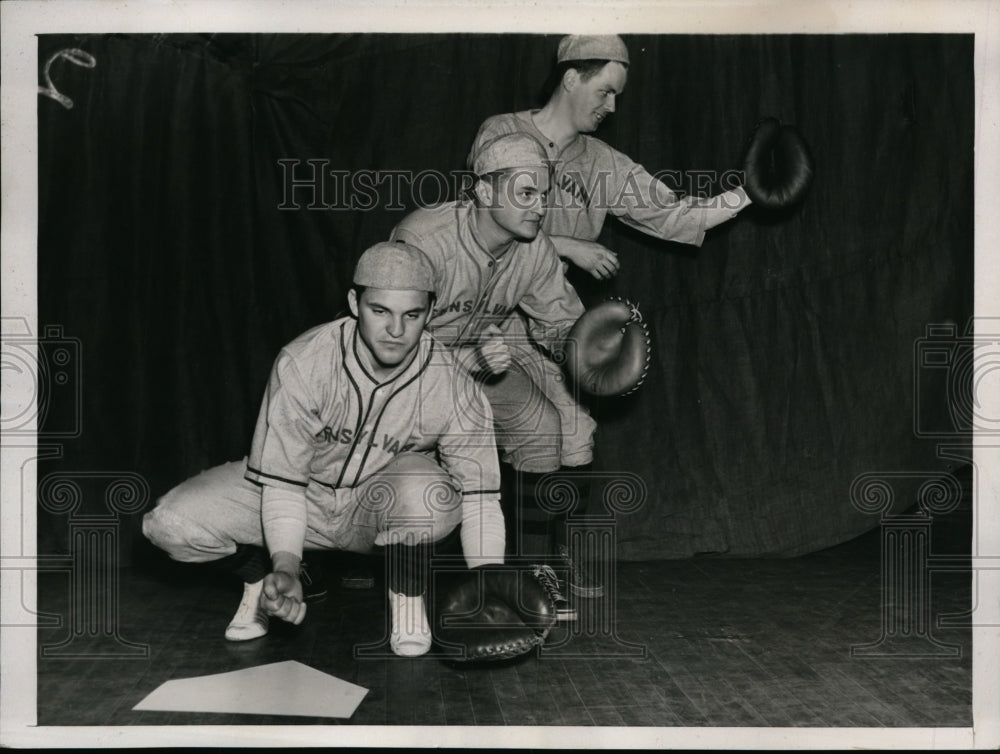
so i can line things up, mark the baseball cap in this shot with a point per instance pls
(592, 47)
(395, 266)
(518, 150)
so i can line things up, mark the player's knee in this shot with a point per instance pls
(520, 406)
(428, 495)
(168, 531)
(549, 423)
(578, 444)
(537, 452)
(177, 525)
(426, 499)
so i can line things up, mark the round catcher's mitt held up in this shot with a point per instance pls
(493, 612)
(608, 349)
(778, 167)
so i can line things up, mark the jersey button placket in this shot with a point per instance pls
(377, 400)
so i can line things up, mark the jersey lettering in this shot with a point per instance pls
(345, 436)
(468, 306)
(574, 188)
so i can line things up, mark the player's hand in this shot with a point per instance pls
(282, 597)
(590, 256)
(494, 354)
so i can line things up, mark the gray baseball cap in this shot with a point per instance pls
(395, 266)
(592, 47)
(517, 150)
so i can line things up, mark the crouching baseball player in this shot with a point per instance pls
(367, 436)
(489, 259)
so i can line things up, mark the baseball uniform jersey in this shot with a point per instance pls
(591, 179)
(476, 289)
(325, 419)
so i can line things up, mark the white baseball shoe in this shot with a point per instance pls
(250, 621)
(411, 630)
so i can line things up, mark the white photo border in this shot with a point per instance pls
(22, 20)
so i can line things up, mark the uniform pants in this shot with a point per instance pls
(410, 501)
(540, 424)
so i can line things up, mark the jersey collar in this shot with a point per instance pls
(569, 152)
(500, 261)
(355, 362)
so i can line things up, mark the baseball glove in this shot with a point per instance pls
(608, 349)
(493, 612)
(777, 167)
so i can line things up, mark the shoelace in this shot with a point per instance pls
(249, 608)
(548, 579)
(304, 574)
(568, 561)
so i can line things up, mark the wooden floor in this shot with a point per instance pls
(701, 642)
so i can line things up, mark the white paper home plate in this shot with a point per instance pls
(280, 688)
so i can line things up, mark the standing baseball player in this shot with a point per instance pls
(367, 436)
(489, 260)
(591, 179)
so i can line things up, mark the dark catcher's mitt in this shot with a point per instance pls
(493, 612)
(778, 167)
(607, 350)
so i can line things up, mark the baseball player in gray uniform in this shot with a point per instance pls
(367, 436)
(489, 259)
(591, 179)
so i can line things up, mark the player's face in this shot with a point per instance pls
(390, 322)
(518, 204)
(594, 99)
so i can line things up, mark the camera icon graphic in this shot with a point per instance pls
(42, 382)
(957, 381)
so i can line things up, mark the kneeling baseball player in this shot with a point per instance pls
(368, 436)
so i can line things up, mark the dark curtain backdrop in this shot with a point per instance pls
(783, 364)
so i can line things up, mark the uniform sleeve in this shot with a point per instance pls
(647, 204)
(551, 303)
(467, 451)
(283, 441)
(482, 534)
(403, 232)
(283, 515)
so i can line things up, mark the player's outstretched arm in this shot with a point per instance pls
(722, 207)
